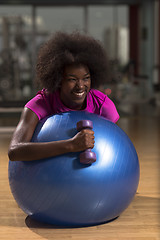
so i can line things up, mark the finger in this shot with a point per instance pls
(87, 131)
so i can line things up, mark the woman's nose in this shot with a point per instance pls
(80, 83)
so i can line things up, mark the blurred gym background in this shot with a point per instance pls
(128, 29)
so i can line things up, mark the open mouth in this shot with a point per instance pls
(79, 94)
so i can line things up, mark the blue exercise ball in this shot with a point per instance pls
(61, 190)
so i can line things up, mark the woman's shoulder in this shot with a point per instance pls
(107, 108)
(44, 93)
(99, 97)
(98, 94)
(41, 103)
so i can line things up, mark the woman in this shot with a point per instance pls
(69, 68)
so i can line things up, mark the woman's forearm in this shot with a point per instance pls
(35, 151)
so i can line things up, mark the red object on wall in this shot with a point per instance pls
(134, 35)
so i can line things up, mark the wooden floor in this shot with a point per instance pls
(140, 221)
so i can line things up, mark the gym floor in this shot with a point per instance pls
(140, 221)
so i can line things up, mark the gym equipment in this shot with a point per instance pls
(86, 157)
(63, 191)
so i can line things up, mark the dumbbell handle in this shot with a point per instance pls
(86, 157)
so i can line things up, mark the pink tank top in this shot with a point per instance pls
(45, 104)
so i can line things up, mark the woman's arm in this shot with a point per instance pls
(21, 149)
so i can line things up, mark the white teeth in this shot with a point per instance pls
(79, 94)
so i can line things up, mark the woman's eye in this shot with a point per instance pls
(86, 78)
(71, 79)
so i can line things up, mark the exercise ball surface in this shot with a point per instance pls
(61, 190)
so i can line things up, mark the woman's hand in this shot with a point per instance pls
(21, 149)
(83, 140)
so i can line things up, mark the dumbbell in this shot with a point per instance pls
(86, 157)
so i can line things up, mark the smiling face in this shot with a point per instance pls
(75, 85)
